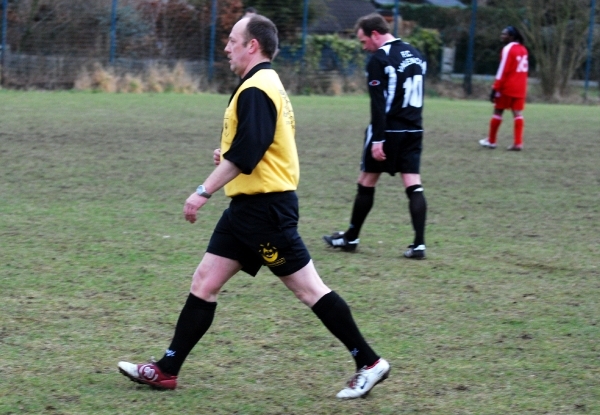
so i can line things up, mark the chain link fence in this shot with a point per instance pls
(50, 43)
(56, 44)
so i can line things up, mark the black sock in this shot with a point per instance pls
(417, 206)
(363, 202)
(194, 320)
(336, 316)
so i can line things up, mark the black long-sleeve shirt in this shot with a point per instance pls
(395, 76)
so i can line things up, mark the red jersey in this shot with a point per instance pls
(511, 78)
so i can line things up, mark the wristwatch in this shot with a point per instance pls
(201, 190)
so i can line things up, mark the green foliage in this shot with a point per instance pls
(449, 21)
(347, 54)
(429, 43)
(288, 15)
(344, 52)
(130, 25)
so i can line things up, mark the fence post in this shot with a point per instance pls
(113, 32)
(213, 35)
(467, 85)
(304, 30)
(588, 64)
(4, 31)
(396, 14)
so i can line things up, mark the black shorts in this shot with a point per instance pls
(261, 230)
(402, 150)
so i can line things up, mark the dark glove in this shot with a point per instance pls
(493, 95)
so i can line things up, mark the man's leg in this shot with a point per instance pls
(335, 314)
(194, 320)
(417, 207)
(198, 312)
(332, 310)
(495, 126)
(519, 125)
(363, 202)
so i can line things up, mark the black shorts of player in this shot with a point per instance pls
(262, 229)
(402, 151)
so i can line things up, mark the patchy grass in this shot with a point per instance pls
(95, 263)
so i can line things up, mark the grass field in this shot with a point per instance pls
(96, 259)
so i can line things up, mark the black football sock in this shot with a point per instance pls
(417, 205)
(363, 202)
(335, 314)
(194, 320)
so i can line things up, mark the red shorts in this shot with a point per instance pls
(506, 102)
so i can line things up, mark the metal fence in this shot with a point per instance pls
(46, 44)
(49, 43)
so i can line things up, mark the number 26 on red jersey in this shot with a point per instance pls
(523, 64)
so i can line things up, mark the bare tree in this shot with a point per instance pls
(556, 32)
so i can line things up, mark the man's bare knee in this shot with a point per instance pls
(210, 276)
(306, 284)
(201, 285)
(368, 179)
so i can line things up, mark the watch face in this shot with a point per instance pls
(202, 192)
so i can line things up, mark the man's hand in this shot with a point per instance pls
(377, 151)
(217, 156)
(192, 204)
(493, 96)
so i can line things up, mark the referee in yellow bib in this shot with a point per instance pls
(258, 167)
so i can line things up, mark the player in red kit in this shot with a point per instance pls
(510, 88)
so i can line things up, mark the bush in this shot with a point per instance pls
(335, 65)
(331, 52)
(429, 43)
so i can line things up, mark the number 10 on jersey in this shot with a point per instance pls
(413, 92)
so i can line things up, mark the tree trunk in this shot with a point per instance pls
(555, 32)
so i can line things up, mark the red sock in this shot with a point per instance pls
(494, 126)
(519, 125)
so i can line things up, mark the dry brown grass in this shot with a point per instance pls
(157, 78)
(132, 84)
(104, 79)
(161, 78)
(321, 82)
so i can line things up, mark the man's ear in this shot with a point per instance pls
(254, 46)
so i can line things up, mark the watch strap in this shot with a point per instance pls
(201, 190)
